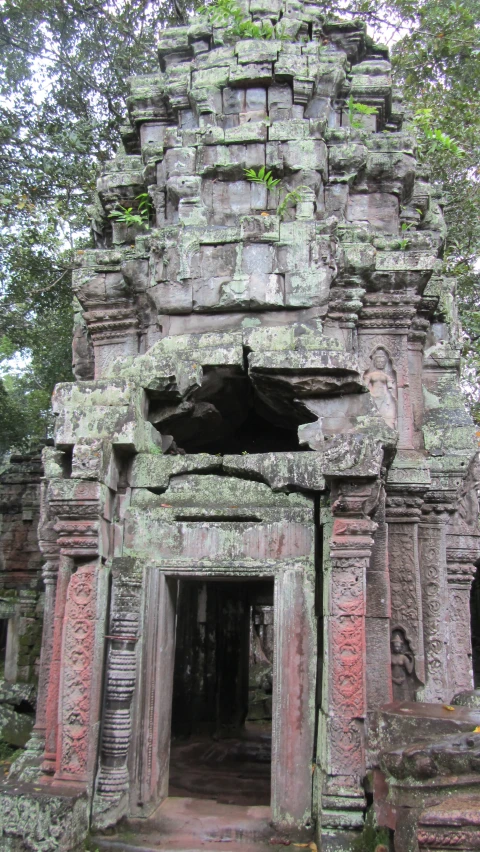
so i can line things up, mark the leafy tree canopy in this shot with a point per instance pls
(63, 71)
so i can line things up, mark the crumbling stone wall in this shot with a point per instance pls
(21, 594)
(319, 322)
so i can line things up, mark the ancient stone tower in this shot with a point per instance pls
(266, 438)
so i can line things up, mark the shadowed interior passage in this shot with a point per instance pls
(222, 698)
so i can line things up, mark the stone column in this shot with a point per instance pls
(49, 573)
(378, 614)
(153, 697)
(293, 711)
(433, 573)
(403, 515)
(348, 545)
(121, 669)
(76, 676)
(462, 551)
(51, 713)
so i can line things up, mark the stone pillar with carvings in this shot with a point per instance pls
(78, 508)
(121, 668)
(49, 574)
(407, 481)
(76, 680)
(433, 573)
(460, 574)
(462, 547)
(47, 542)
(348, 541)
(52, 709)
(378, 613)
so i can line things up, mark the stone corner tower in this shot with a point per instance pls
(267, 392)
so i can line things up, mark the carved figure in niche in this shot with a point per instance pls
(403, 664)
(466, 515)
(381, 385)
(82, 354)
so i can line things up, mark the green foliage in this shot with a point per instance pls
(356, 108)
(432, 140)
(291, 199)
(9, 753)
(262, 176)
(404, 242)
(63, 85)
(438, 63)
(127, 216)
(238, 25)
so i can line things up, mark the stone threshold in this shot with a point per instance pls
(182, 824)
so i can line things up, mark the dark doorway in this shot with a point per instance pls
(222, 691)
(3, 644)
(475, 628)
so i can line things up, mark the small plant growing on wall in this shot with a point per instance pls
(290, 199)
(262, 176)
(404, 241)
(238, 25)
(141, 217)
(356, 109)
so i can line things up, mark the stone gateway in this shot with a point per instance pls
(259, 518)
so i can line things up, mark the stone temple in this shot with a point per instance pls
(259, 517)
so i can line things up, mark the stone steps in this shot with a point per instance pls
(187, 825)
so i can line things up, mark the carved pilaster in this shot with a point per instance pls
(349, 540)
(49, 573)
(123, 632)
(76, 507)
(433, 573)
(51, 715)
(378, 614)
(76, 679)
(403, 515)
(47, 541)
(114, 335)
(462, 553)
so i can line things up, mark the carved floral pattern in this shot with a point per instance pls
(79, 634)
(433, 595)
(348, 670)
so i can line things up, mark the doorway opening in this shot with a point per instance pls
(222, 691)
(475, 627)
(3, 645)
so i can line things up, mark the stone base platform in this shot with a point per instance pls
(233, 771)
(183, 824)
(453, 824)
(42, 819)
